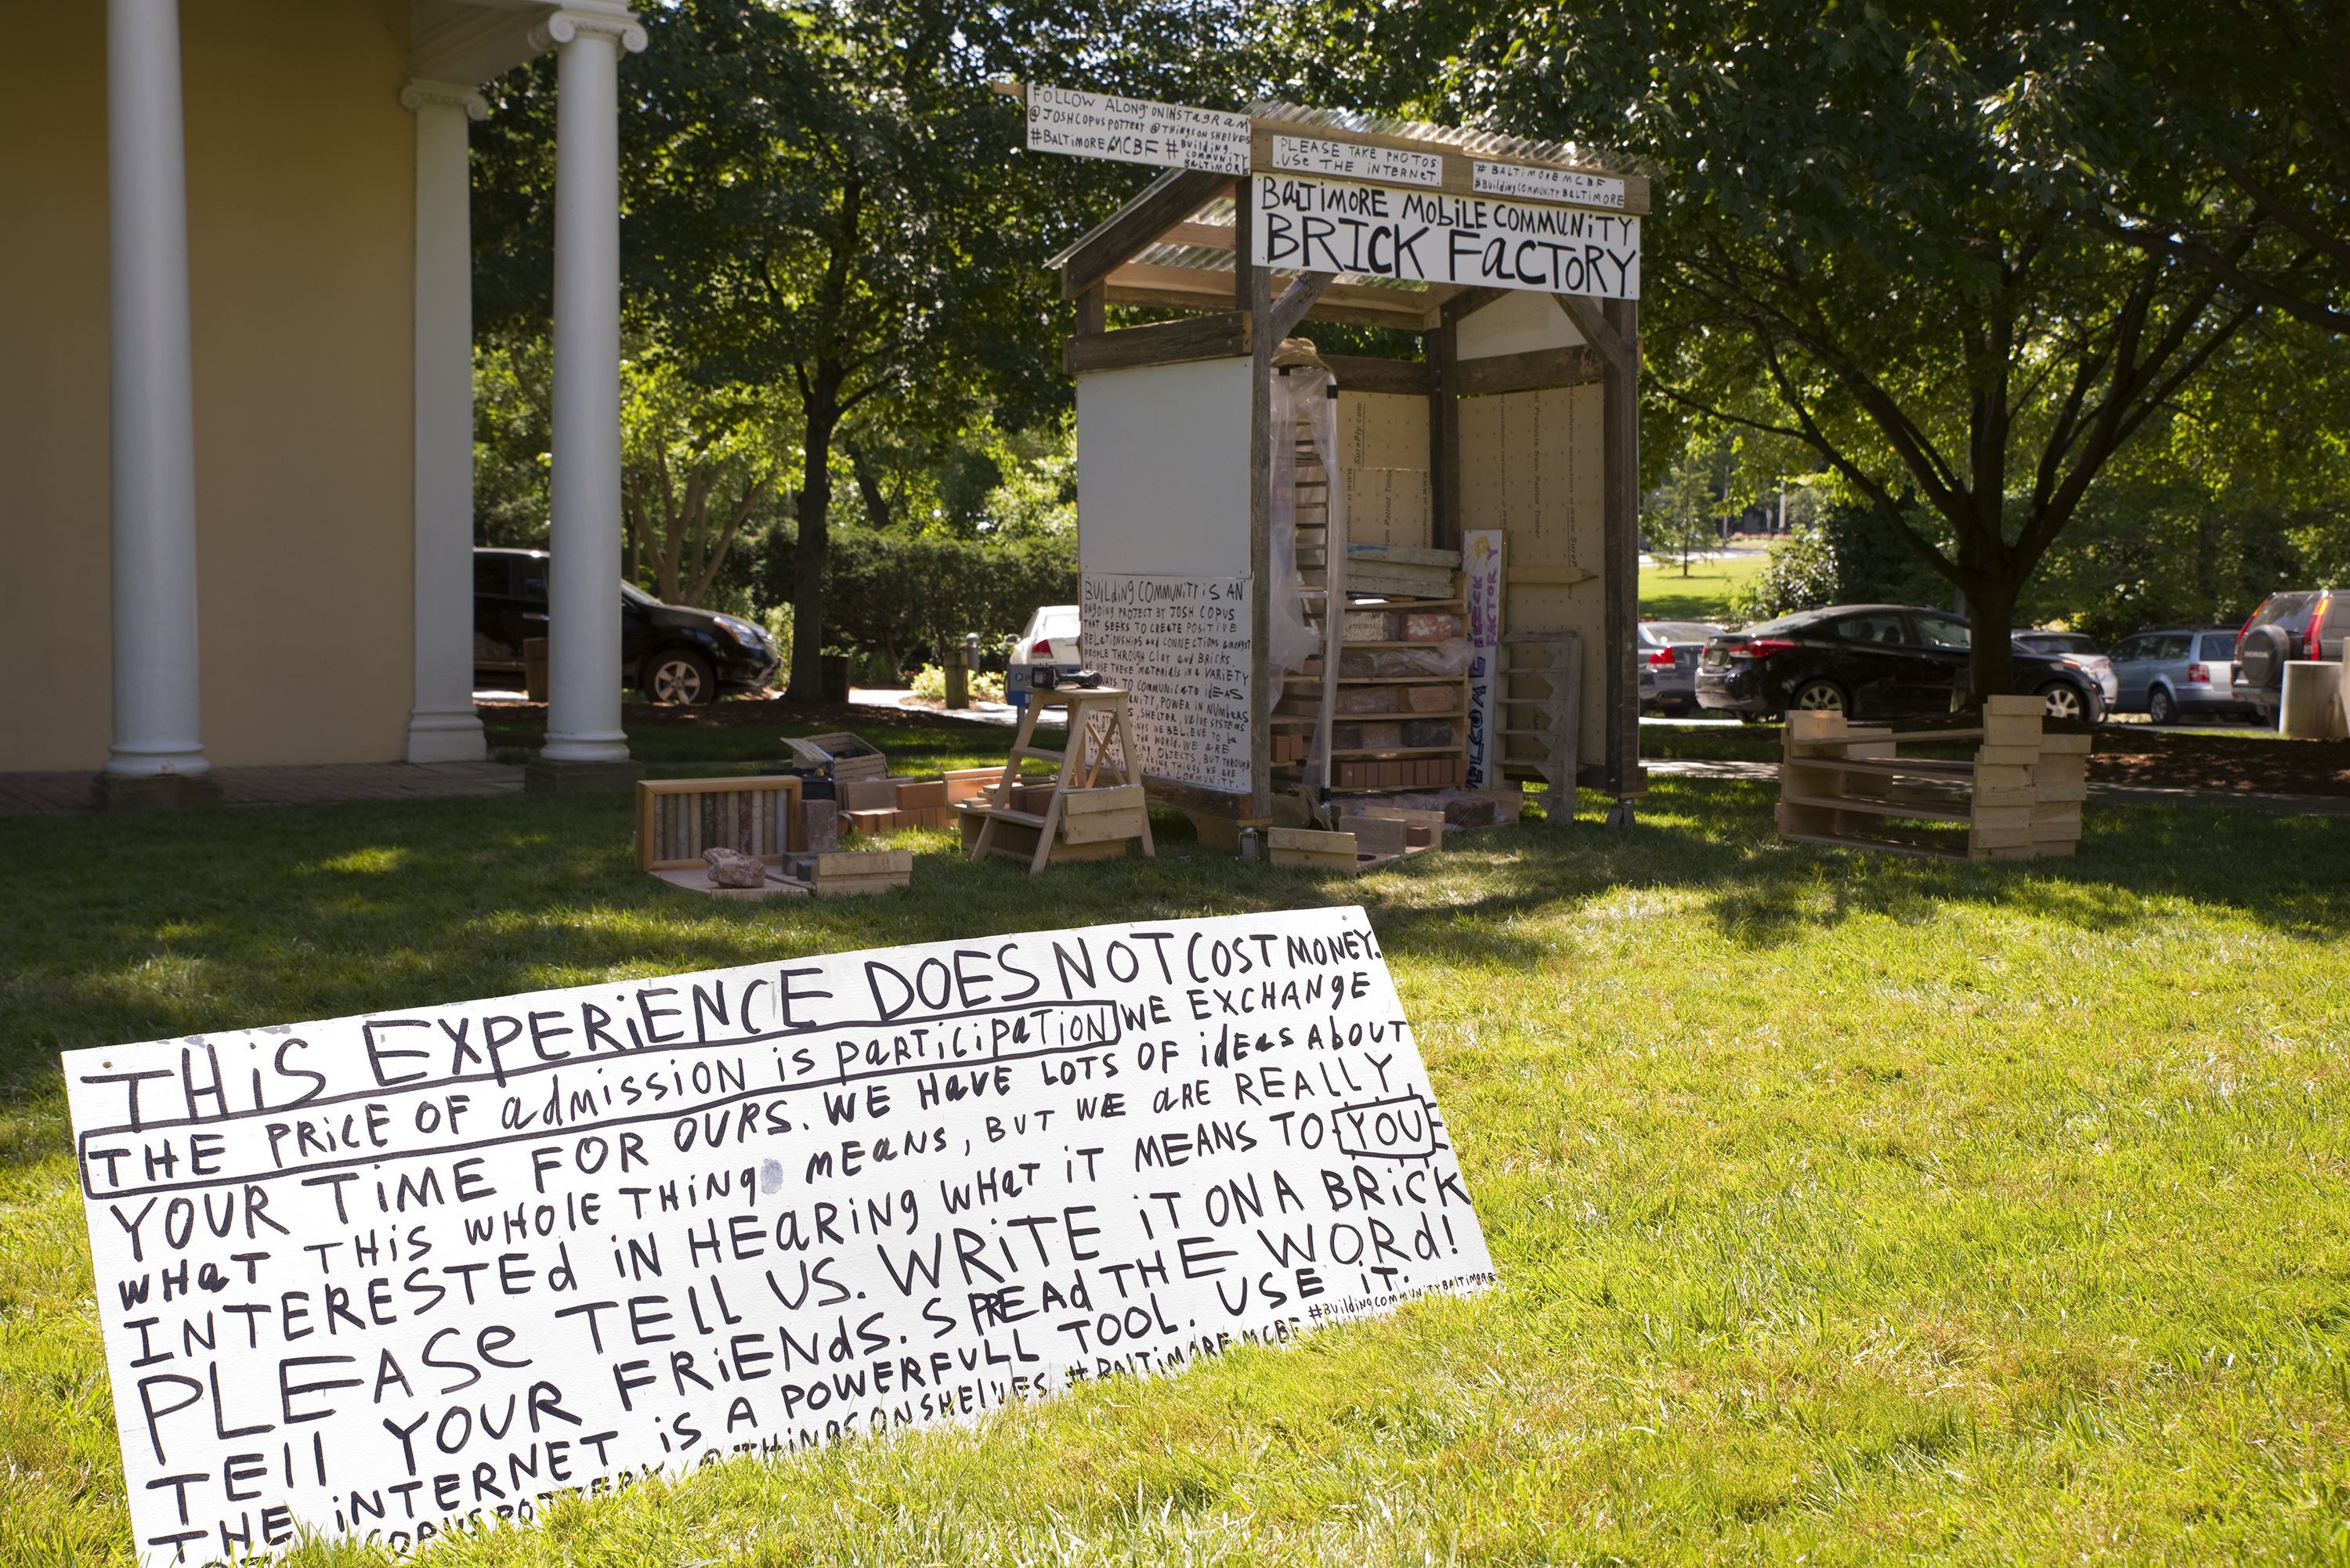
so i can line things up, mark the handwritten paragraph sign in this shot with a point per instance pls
(397, 1273)
(1332, 225)
(1137, 130)
(1180, 646)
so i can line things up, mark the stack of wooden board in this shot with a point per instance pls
(1540, 699)
(879, 805)
(2019, 794)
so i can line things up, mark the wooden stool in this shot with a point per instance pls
(1082, 812)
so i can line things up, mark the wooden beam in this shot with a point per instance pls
(1295, 302)
(1364, 373)
(1590, 318)
(1620, 561)
(1444, 416)
(1166, 202)
(1260, 287)
(1205, 236)
(1531, 371)
(1458, 176)
(1093, 310)
(1223, 335)
(1244, 222)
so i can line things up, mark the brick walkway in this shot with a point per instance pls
(21, 793)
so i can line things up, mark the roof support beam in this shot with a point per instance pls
(1168, 200)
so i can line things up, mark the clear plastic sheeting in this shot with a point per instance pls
(1300, 396)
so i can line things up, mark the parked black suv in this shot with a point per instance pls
(669, 653)
(2305, 624)
(1872, 661)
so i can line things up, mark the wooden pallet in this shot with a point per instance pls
(2018, 795)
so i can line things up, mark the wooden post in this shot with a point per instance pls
(1444, 434)
(1620, 476)
(1259, 282)
(1093, 309)
(1243, 242)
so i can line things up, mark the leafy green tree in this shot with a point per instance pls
(2254, 102)
(1871, 238)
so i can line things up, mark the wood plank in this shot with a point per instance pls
(1112, 797)
(1444, 430)
(1458, 176)
(1223, 334)
(1881, 805)
(1533, 371)
(1164, 203)
(1897, 738)
(1560, 577)
(1365, 373)
(1094, 827)
(1898, 845)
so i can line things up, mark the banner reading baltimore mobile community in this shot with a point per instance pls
(383, 1274)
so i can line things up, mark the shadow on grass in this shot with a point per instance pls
(119, 929)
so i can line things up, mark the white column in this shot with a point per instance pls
(157, 728)
(441, 725)
(583, 715)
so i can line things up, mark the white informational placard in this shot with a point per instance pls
(1329, 225)
(1180, 646)
(1137, 130)
(386, 1274)
(1570, 185)
(1482, 559)
(1353, 161)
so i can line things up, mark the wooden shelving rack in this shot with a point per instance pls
(2018, 796)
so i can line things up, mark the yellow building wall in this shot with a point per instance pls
(301, 168)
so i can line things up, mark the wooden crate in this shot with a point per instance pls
(860, 871)
(1315, 850)
(2018, 795)
(845, 756)
(677, 819)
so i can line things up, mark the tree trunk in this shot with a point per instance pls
(820, 406)
(869, 487)
(1990, 605)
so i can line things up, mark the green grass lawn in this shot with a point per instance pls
(1703, 595)
(1849, 1208)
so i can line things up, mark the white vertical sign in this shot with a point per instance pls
(1482, 557)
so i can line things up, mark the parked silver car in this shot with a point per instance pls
(1669, 653)
(2076, 651)
(2179, 672)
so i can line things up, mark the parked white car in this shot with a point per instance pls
(1052, 640)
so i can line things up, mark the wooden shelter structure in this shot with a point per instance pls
(1201, 483)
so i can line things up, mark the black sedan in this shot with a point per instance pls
(1872, 661)
(669, 652)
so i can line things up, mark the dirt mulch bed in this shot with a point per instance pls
(746, 713)
(2124, 756)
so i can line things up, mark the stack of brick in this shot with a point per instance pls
(1403, 772)
(880, 805)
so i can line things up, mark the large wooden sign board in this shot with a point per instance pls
(387, 1275)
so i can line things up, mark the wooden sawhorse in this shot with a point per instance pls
(1082, 812)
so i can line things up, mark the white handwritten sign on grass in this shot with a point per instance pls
(387, 1275)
